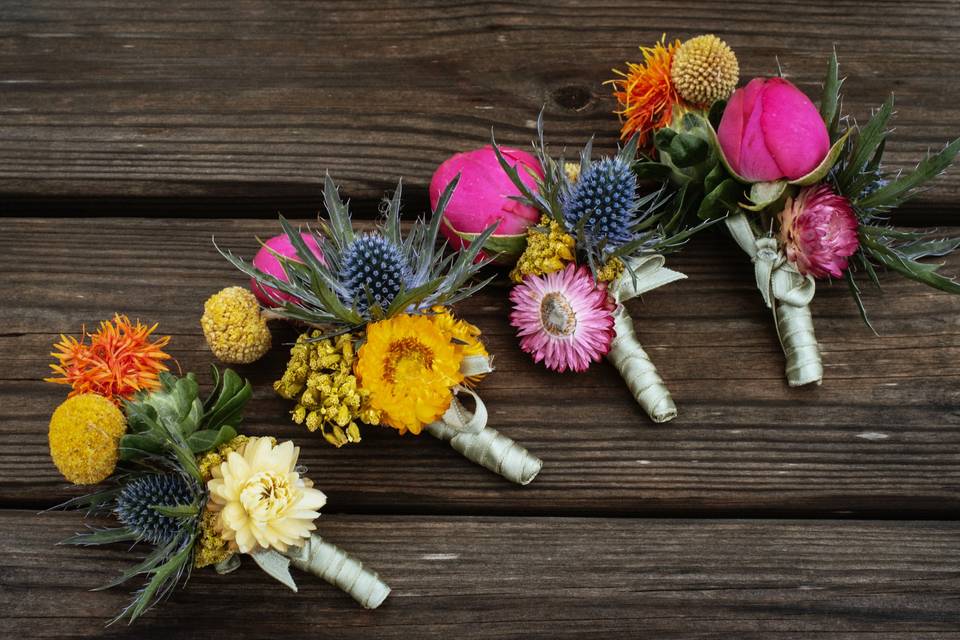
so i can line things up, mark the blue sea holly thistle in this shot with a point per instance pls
(371, 275)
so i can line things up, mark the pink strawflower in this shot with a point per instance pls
(818, 229)
(563, 318)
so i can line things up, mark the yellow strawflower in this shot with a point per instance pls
(705, 70)
(84, 436)
(465, 337)
(548, 250)
(320, 378)
(408, 366)
(235, 329)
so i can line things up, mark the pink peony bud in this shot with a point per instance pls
(818, 229)
(483, 196)
(770, 131)
(268, 263)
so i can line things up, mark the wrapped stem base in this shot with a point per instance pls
(331, 563)
(788, 293)
(492, 450)
(638, 371)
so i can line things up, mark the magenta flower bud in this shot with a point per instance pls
(266, 261)
(818, 230)
(771, 131)
(483, 196)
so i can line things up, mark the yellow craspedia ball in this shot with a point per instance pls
(84, 436)
(705, 70)
(235, 330)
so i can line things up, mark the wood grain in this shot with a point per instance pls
(248, 103)
(880, 437)
(525, 578)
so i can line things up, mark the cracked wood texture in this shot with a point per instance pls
(760, 512)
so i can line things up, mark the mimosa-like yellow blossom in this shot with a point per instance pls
(211, 547)
(611, 270)
(235, 329)
(84, 437)
(572, 171)
(549, 249)
(320, 378)
(263, 502)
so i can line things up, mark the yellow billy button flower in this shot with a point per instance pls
(235, 329)
(705, 70)
(408, 366)
(84, 436)
(264, 503)
(549, 249)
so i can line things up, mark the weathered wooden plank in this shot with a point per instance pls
(526, 577)
(880, 436)
(242, 99)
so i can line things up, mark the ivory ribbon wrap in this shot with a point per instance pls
(788, 294)
(626, 354)
(329, 562)
(469, 434)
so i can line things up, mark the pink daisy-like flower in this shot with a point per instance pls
(563, 318)
(818, 229)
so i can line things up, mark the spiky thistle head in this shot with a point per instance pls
(370, 276)
(374, 271)
(138, 501)
(602, 203)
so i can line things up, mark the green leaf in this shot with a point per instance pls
(722, 200)
(647, 170)
(899, 191)
(865, 144)
(830, 102)
(104, 536)
(855, 292)
(919, 271)
(134, 446)
(177, 511)
(686, 150)
(207, 439)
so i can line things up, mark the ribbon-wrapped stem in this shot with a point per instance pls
(334, 565)
(329, 562)
(626, 353)
(788, 294)
(492, 450)
(468, 433)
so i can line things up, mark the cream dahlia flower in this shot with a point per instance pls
(263, 502)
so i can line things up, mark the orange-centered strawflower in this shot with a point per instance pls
(646, 94)
(119, 360)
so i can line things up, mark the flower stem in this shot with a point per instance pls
(331, 563)
(491, 450)
(638, 371)
(795, 327)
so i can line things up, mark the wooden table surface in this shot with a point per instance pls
(132, 132)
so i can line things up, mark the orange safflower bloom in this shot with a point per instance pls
(119, 360)
(646, 93)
